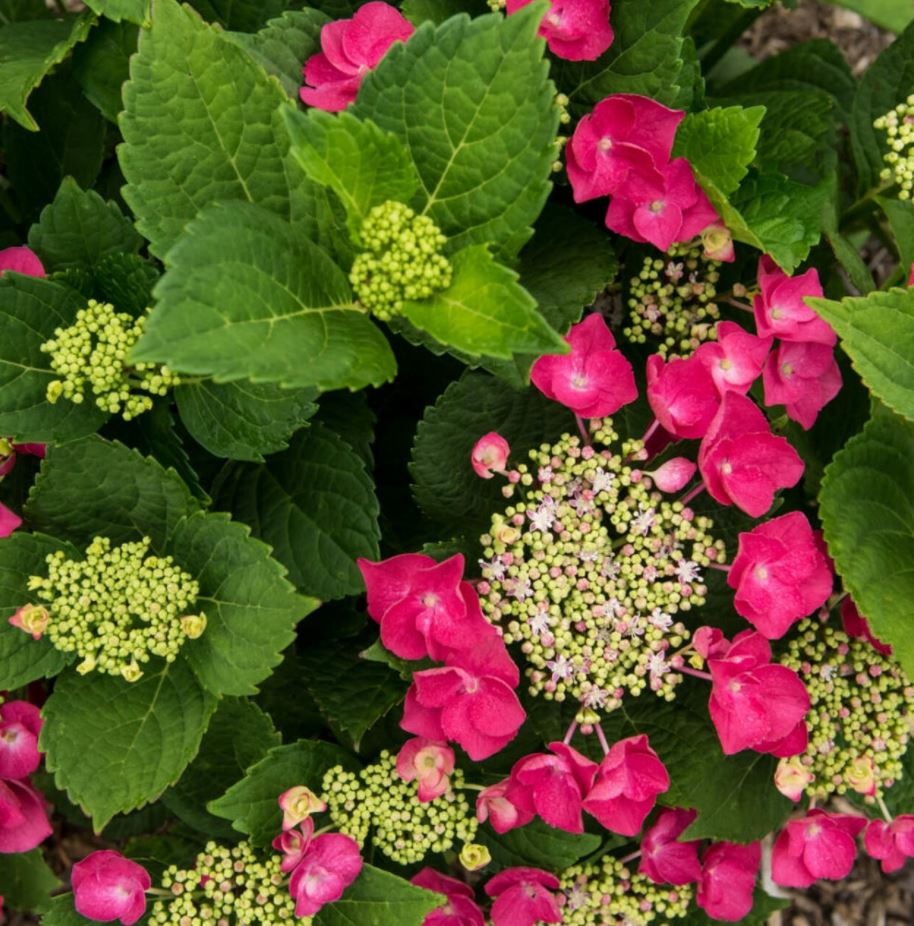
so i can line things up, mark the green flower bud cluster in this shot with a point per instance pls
(588, 570)
(609, 893)
(403, 828)
(672, 300)
(118, 607)
(898, 125)
(91, 355)
(862, 709)
(402, 260)
(226, 886)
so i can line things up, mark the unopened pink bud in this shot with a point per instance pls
(792, 777)
(298, 804)
(717, 243)
(490, 455)
(861, 776)
(31, 618)
(674, 474)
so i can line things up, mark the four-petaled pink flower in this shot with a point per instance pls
(107, 886)
(430, 762)
(803, 377)
(490, 455)
(857, 626)
(494, 805)
(728, 873)
(673, 475)
(820, 845)
(682, 395)
(781, 574)
(891, 843)
(735, 359)
(349, 49)
(664, 859)
(461, 908)
(741, 461)
(331, 863)
(523, 896)
(630, 777)
(293, 844)
(756, 704)
(9, 521)
(593, 380)
(576, 30)
(21, 260)
(20, 724)
(781, 310)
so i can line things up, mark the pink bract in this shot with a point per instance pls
(523, 896)
(576, 30)
(735, 359)
(728, 873)
(664, 859)
(23, 817)
(781, 310)
(490, 455)
(9, 521)
(891, 843)
(107, 886)
(857, 626)
(293, 844)
(780, 574)
(460, 909)
(804, 377)
(21, 260)
(494, 805)
(673, 475)
(331, 863)
(682, 395)
(349, 49)
(593, 380)
(428, 761)
(20, 724)
(820, 845)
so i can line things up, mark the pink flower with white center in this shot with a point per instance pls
(682, 395)
(23, 817)
(735, 359)
(674, 475)
(293, 844)
(791, 777)
(629, 779)
(523, 897)
(9, 521)
(490, 455)
(781, 310)
(31, 618)
(802, 376)
(664, 859)
(21, 260)
(625, 132)
(331, 863)
(728, 873)
(593, 380)
(298, 804)
(20, 724)
(857, 626)
(461, 908)
(756, 704)
(820, 845)
(781, 573)
(891, 843)
(350, 48)
(428, 761)
(741, 461)
(576, 30)
(107, 886)
(494, 804)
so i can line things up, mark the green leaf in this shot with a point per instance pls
(472, 102)
(241, 15)
(79, 229)
(134, 11)
(867, 509)
(243, 420)
(315, 505)
(877, 333)
(61, 912)
(538, 845)
(30, 310)
(362, 164)
(251, 610)
(95, 487)
(26, 881)
(28, 51)
(893, 15)
(379, 898)
(251, 805)
(248, 296)
(437, 11)
(115, 746)
(126, 281)
(848, 255)
(485, 311)
(102, 64)
(350, 416)
(12, 11)
(901, 221)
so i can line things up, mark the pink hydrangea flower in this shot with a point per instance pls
(781, 310)
(756, 704)
(331, 863)
(20, 724)
(741, 461)
(673, 475)
(293, 844)
(630, 777)
(891, 843)
(857, 626)
(21, 260)
(682, 395)
(728, 873)
(9, 521)
(593, 380)
(576, 30)
(624, 132)
(350, 48)
(781, 574)
(493, 804)
(430, 762)
(553, 786)
(107, 886)
(461, 908)
(802, 376)
(23, 817)
(523, 897)
(298, 804)
(664, 859)
(820, 845)
(735, 359)
(490, 455)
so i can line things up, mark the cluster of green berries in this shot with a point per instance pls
(402, 260)
(118, 606)
(227, 886)
(898, 125)
(609, 893)
(862, 708)
(588, 569)
(91, 356)
(561, 104)
(672, 301)
(377, 801)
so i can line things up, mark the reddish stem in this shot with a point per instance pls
(570, 732)
(690, 495)
(630, 858)
(582, 427)
(689, 671)
(601, 736)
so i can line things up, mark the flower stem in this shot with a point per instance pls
(582, 427)
(720, 567)
(601, 736)
(737, 304)
(690, 495)
(569, 733)
(649, 433)
(466, 786)
(690, 671)
(631, 857)
(884, 809)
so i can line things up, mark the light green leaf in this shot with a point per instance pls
(61, 912)
(472, 102)
(893, 15)
(248, 296)
(315, 505)
(379, 898)
(134, 11)
(538, 845)
(901, 220)
(26, 881)
(102, 64)
(115, 746)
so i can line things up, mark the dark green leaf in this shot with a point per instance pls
(537, 845)
(379, 898)
(102, 64)
(26, 881)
